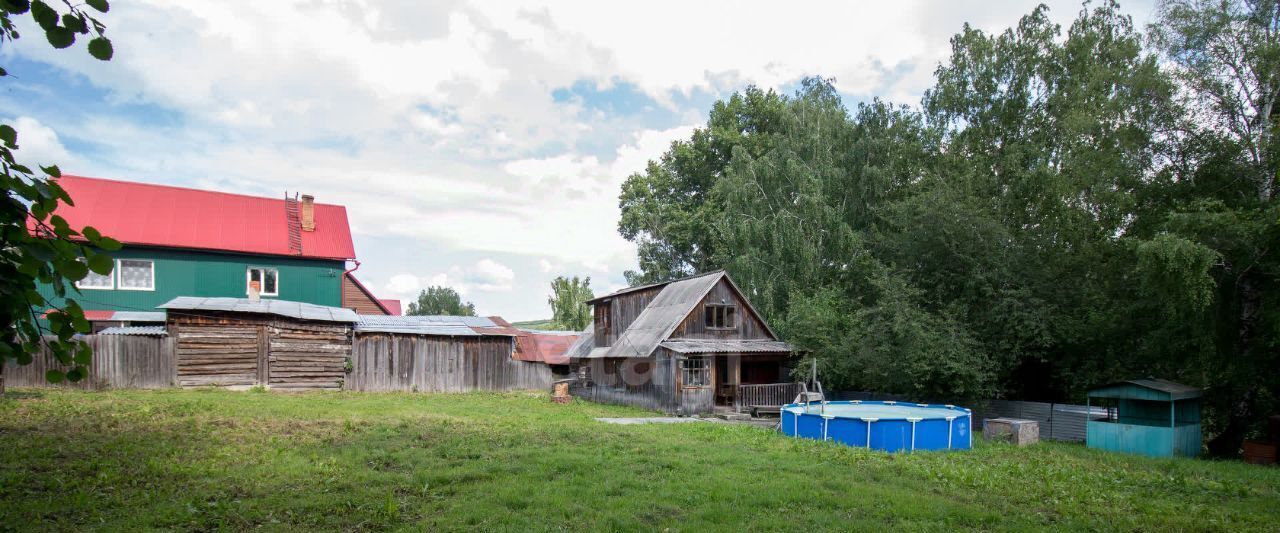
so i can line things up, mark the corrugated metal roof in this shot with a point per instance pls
(1175, 390)
(392, 306)
(561, 333)
(138, 316)
(647, 286)
(656, 322)
(726, 346)
(549, 348)
(453, 326)
(299, 310)
(581, 347)
(135, 330)
(162, 215)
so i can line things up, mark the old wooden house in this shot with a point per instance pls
(686, 346)
(238, 342)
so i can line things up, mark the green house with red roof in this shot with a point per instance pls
(188, 242)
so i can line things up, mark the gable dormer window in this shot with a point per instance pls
(720, 316)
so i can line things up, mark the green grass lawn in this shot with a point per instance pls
(128, 460)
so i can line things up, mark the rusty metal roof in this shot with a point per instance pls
(726, 346)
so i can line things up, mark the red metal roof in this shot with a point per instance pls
(548, 348)
(392, 306)
(176, 217)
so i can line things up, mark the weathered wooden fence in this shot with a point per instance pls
(401, 362)
(379, 362)
(119, 361)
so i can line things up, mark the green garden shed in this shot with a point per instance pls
(1148, 416)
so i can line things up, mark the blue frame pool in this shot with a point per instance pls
(888, 426)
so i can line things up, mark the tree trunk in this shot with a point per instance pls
(1227, 443)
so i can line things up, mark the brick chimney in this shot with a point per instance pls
(308, 213)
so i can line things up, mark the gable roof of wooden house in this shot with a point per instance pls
(653, 327)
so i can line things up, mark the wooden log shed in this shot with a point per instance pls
(238, 342)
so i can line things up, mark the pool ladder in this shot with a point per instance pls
(807, 398)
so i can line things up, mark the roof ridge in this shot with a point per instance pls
(654, 284)
(182, 188)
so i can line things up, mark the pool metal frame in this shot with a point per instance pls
(798, 411)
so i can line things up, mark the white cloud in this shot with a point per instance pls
(545, 266)
(406, 285)
(38, 144)
(490, 275)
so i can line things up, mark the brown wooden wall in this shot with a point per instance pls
(239, 349)
(623, 310)
(119, 361)
(421, 363)
(357, 300)
(694, 327)
(307, 356)
(650, 383)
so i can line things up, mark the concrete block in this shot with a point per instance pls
(1018, 431)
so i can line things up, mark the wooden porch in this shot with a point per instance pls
(761, 398)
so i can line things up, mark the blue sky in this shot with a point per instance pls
(475, 144)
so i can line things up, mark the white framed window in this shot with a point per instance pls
(136, 274)
(97, 281)
(268, 280)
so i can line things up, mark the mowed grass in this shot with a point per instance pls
(128, 460)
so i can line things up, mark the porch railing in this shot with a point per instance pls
(767, 394)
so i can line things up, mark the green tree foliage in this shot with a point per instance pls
(437, 300)
(1067, 206)
(569, 309)
(667, 209)
(1220, 205)
(38, 246)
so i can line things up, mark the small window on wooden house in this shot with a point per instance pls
(720, 316)
(695, 372)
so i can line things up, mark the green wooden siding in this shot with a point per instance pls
(192, 273)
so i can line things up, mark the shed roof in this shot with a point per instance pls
(726, 346)
(450, 326)
(156, 331)
(176, 217)
(1146, 389)
(108, 315)
(298, 310)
